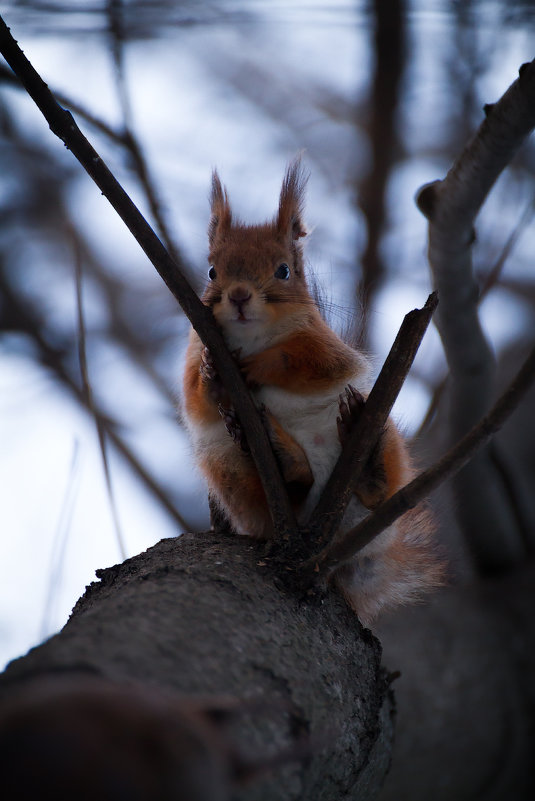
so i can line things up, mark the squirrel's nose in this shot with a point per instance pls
(239, 295)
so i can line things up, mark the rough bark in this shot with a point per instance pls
(195, 616)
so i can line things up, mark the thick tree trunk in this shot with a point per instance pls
(194, 616)
(466, 701)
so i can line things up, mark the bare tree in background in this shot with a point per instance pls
(459, 724)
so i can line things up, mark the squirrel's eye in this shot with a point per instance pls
(282, 272)
(212, 275)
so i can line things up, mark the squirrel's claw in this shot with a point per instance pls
(232, 424)
(350, 407)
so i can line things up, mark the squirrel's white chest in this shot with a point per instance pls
(311, 421)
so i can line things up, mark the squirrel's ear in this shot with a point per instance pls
(221, 214)
(289, 218)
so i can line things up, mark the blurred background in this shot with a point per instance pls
(381, 97)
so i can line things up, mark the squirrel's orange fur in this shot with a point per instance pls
(296, 367)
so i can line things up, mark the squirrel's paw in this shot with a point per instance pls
(291, 457)
(350, 408)
(212, 379)
(372, 485)
(233, 426)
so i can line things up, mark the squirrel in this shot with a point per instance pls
(309, 385)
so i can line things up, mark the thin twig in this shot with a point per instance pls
(363, 437)
(59, 545)
(121, 327)
(63, 125)
(127, 140)
(82, 358)
(437, 393)
(488, 282)
(491, 279)
(115, 13)
(406, 498)
(7, 76)
(53, 357)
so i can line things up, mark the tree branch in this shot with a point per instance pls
(332, 504)
(129, 142)
(406, 498)
(62, 123)
(451, 206)
(193, 618)
(390, 22)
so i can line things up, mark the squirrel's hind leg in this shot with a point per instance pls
(292, 459)
(387, 469)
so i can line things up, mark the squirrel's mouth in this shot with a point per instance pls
(237, 318)
(242, 317)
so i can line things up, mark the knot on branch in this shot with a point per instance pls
(426, 199)
(524, 68)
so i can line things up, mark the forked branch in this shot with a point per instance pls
(492, 526)
(328, 514)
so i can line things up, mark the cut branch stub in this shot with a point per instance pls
(409, 496)
(426, 199)
(361, 440)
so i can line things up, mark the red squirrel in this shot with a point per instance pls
(309, 384)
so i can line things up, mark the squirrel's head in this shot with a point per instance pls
(256, 277)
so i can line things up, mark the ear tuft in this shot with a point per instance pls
(221, 214)
(292, 197)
